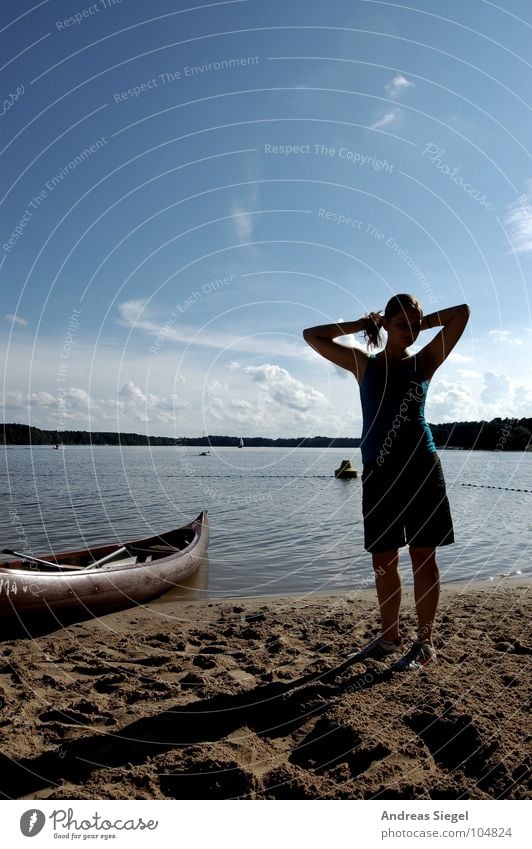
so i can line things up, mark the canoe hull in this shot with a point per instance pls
(31, 593)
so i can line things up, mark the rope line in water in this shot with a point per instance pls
(330, 477)
(294, 477)
(491, 486)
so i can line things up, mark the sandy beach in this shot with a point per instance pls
(253, 699)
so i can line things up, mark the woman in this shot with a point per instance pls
(404, 500)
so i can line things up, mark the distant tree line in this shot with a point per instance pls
(19, 434)
(496, 435)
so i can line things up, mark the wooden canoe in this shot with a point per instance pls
(133, 572)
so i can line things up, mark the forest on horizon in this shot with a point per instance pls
(495, 435)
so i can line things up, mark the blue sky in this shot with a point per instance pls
(186, 186)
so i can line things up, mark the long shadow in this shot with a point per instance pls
(41, 626)
(270, 710)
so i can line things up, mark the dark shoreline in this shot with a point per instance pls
(496, 435)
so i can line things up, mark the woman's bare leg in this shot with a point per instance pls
(388, 584)
(426, 588)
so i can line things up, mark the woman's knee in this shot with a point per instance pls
(424, 560)
(422, 554)
(384, 561)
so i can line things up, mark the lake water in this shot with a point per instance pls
(280, 522)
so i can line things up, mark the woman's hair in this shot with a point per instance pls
(399, 303)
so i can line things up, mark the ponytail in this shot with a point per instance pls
(371, 330)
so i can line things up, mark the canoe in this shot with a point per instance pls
(97, 580)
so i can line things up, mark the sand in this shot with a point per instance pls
(250, 699)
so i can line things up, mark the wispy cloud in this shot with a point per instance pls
(455, 357)
(244, 223)
(506, 336)
(172, 329)
(130, 311)
(398, 86)
(394, 89)
(245, 219)
(518, 223)
(385, 120)
(468, 372)
(16, 319)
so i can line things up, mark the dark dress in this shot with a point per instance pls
(404, 498)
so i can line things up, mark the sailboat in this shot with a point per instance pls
(241, 443)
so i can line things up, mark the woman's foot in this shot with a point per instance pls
(378, 649)
(420, 654)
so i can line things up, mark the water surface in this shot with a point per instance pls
(280, 522)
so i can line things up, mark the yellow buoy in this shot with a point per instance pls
(346, 470)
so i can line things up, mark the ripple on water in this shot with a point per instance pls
(280, 522)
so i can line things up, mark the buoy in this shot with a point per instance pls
(345, 470)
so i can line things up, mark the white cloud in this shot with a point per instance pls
(522, 402)
(496, 387)
(244, 223)
(16, 319)
(518, 223)
(271, 402)
(386, 119)
(507, 337)
(77, 399)
(448, 401)
(398, 85)
(146, 407)
(455, 357)
(75, 408)
(223, 405)
(395, 89)
(18, 401)
(245, 219)
(130, 311)
(284, 389)
(468, 372)
(176, 331)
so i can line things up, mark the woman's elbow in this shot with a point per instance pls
(462, 313)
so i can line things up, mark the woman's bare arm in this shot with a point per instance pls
(321, 339)
(454, 320)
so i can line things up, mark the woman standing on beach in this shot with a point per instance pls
(404, 499)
